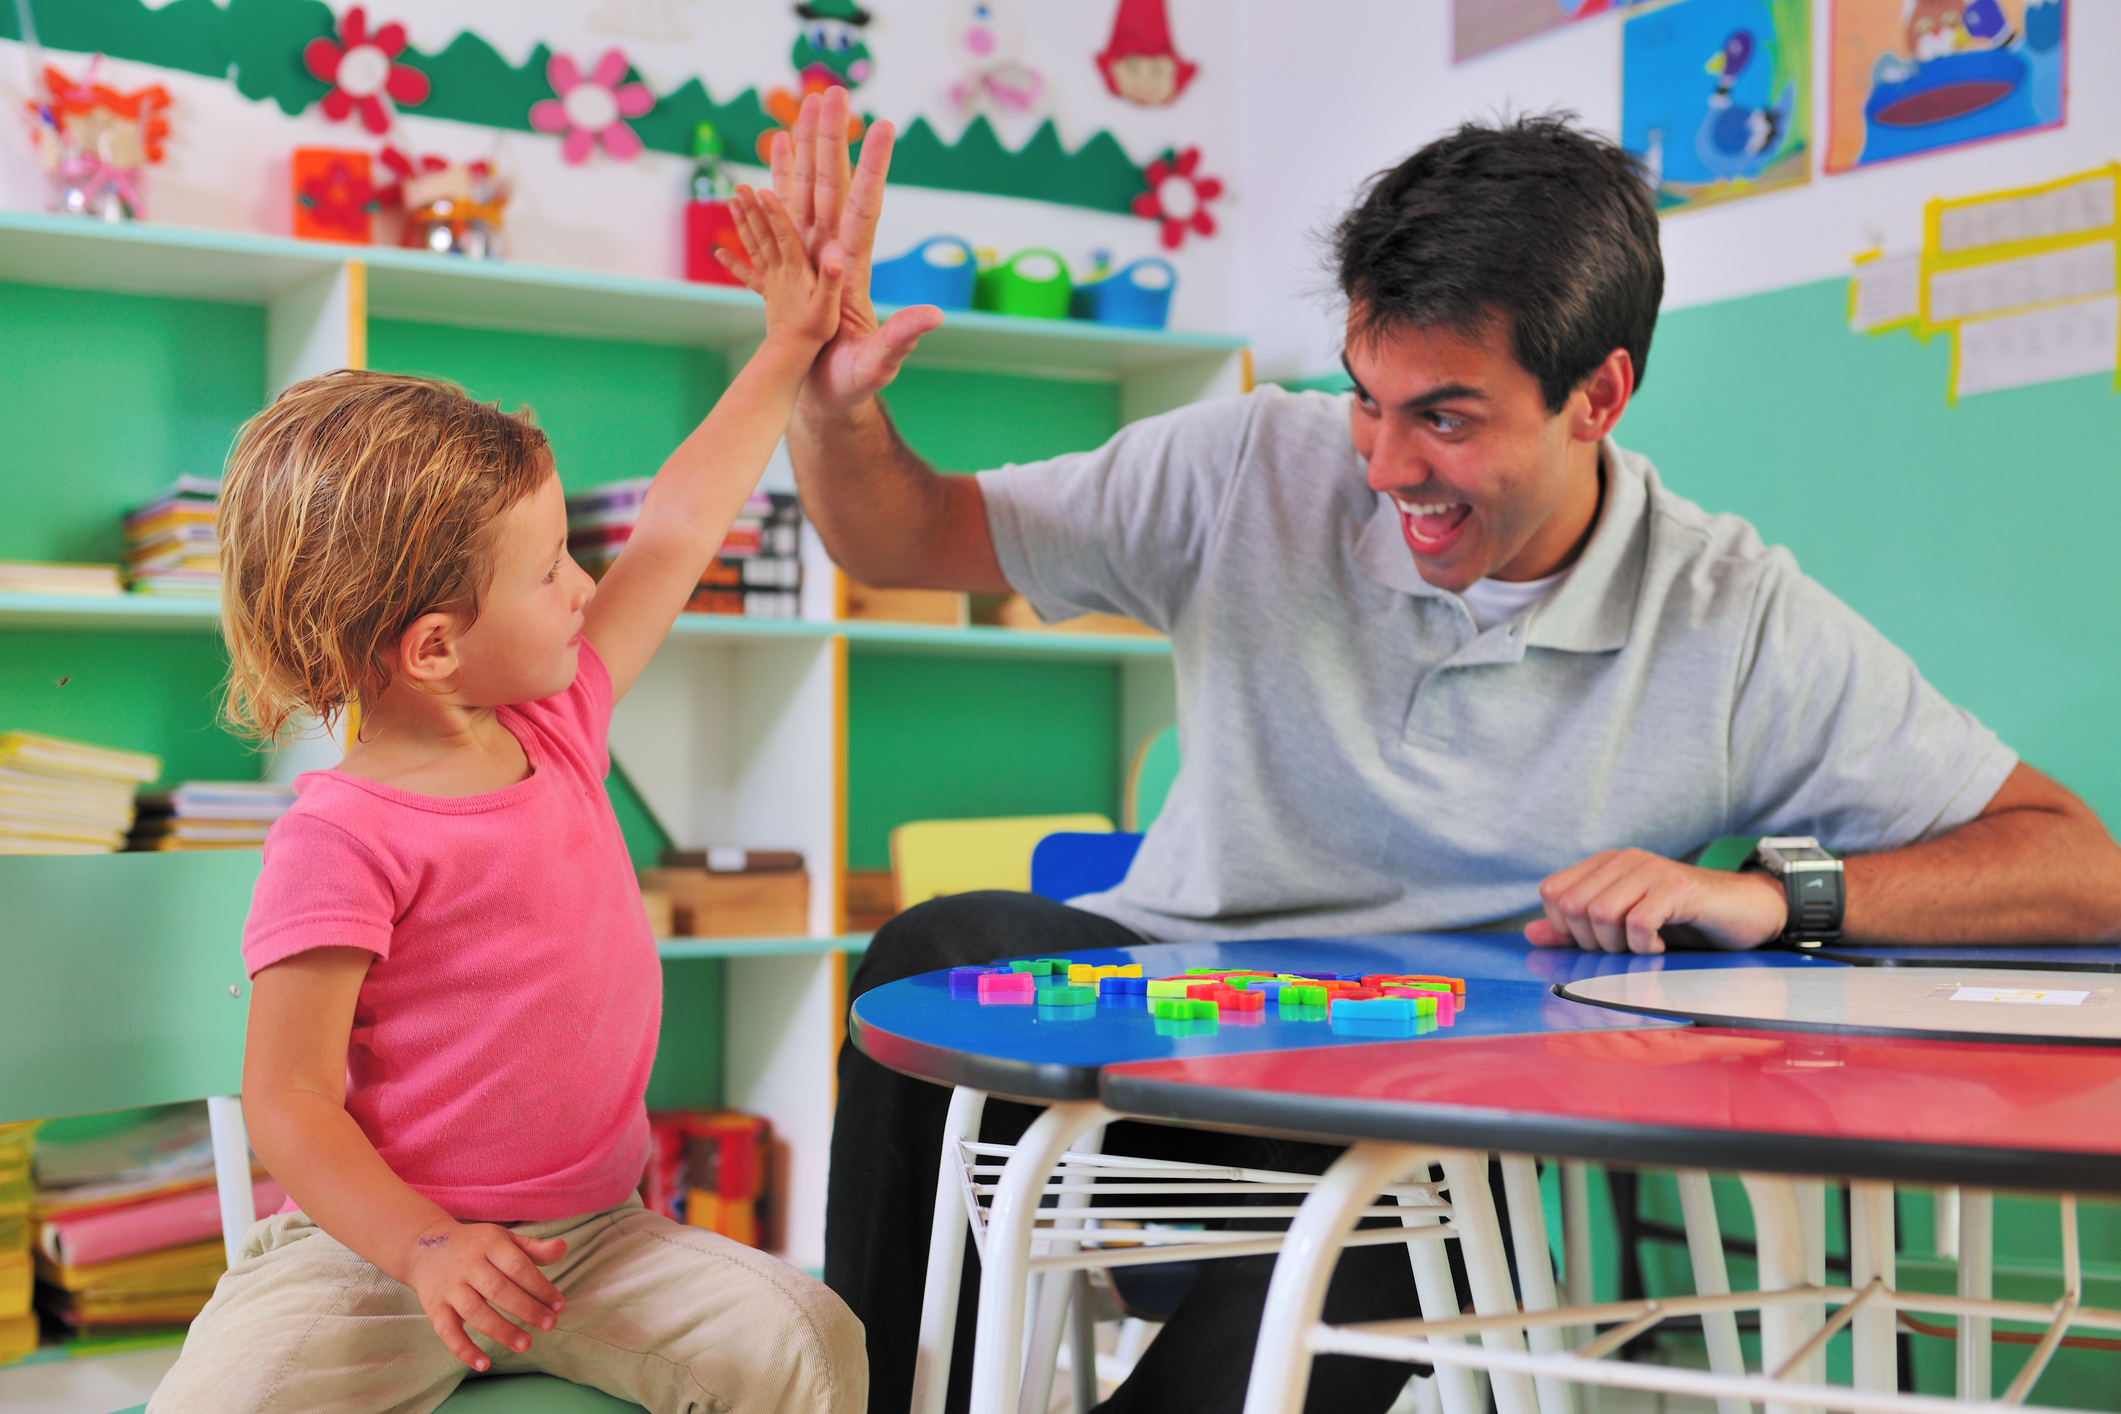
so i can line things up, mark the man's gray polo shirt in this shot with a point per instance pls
(1356, 757)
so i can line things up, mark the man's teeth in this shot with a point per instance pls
(1418, 508)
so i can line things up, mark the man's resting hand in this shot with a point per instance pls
(1617, 900)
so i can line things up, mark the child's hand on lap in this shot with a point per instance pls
(802, 298)
(479, 1274)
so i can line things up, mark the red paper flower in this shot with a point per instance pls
(1178, 198)
(362, 68)
(589, 108)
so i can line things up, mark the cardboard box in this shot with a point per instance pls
(705, 905)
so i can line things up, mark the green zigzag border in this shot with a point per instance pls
(257, 44)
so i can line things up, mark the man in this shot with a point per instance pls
(1447, 657)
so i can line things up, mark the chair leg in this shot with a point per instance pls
(1487, 1270)
(1877, 1365)
(1457, 1386)
(1778, 1225)
(1535, 1271)
(946, 1256)
(1977, 1231)
(1704, 1240)
(997, 1353)
(231, 1143)
(1281, 1365)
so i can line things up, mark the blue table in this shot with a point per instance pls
(915, 1026)
(1056, 1057)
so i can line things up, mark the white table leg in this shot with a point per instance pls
(1977, 1232)
(1056, 1295)
(1082, 1346)
(1487, 1269)
(1535, 1272)
(1877, 1364)
(946, 1256)
(997, 1352)
(1458, 1387)
(1704, 1240)
(1281, 1364)
(1778, 1225)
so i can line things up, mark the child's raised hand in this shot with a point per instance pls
(802, 296)
(479, 1274)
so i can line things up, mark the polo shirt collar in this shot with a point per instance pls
(1593, 609)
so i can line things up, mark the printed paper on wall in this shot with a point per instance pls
(1480, 25)
(1915, 76)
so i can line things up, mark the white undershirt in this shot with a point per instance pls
(1494, 601)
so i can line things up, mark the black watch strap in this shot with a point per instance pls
(1812, 886)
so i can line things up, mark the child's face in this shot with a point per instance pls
(529, 630)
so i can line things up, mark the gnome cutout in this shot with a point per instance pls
(1139, 63)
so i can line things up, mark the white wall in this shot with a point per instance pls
(227, 164)
(1329, 95)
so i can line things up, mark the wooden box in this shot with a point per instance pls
(704, 905)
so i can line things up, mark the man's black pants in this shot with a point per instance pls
(886, 1138)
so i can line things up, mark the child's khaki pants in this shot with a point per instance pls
(675, 1318)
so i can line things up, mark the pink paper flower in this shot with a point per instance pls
(589, 109)
(1177, 199)
(362, 68)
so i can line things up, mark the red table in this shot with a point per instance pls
(1768, 1104)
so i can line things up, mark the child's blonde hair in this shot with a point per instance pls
(353, 505)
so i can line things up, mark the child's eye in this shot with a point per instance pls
(553, 571)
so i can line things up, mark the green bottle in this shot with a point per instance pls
(710, 179)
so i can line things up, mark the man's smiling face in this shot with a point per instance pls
(1488, 482)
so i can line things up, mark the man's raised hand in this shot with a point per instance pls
(827, 203)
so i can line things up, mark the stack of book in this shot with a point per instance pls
(18, 1324)
(758, 573)
(171, 546)
(34, 577)
(209, 815)
(67, 797)
(129, 1221)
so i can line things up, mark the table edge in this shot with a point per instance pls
(1039, 1082)
(1607, 1141)
(1829, 1028)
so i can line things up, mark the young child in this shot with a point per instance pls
(455, 994)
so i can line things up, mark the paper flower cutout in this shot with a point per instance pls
(589, 109)
(1178, 198)
(362, 68)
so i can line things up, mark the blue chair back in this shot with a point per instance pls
(1066, 864)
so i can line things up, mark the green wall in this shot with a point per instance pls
(613, 410)
(106, 398)
(951, 738)
(1978, 537)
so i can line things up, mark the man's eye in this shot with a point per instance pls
(1444, 422)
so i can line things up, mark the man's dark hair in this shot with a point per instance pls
(1533, 220)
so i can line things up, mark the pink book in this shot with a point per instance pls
(173, 1220)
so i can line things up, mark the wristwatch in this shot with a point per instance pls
(1811, 881)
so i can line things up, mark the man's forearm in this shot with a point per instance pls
(2038, 866)
(885, 515)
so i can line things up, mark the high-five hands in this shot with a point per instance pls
(802, 288)
(830, 205)
(480, 1275)
(1616, 901)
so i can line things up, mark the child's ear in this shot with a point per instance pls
(427, 650)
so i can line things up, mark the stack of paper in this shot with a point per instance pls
(210, 815)
(67, 797)
(758, 572)
(34, 577)
(129, 1231)
(170, 543)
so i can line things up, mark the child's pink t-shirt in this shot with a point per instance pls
(503, 1036)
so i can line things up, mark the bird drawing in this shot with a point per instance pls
(1735, 140)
